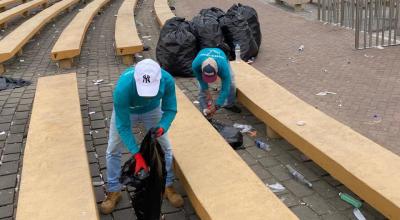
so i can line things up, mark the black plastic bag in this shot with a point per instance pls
(237, 31)
(11, 83)
(213, 12)
(231, 134)
(176, 51)
(172, 24)
(148, 193)
(209, 33)
(250, 14)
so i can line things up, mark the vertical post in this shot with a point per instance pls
(342, 13)
(396, 21)
(319, 10)
(357, 38)
(370, 20)
(377, 7)
(383, 21)
(365, 22)
(390, 21)
(353, 13)
(324, 10)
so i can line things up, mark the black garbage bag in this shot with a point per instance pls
(250, 14)
(176, 51)
(11, 83)
(148, 193)
(213, 12)
(172, 24)
(237, 31)
(231, 134)
(209, 33)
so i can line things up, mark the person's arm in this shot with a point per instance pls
(123, 122)
(196, 67)
(225, 76)
(168, 106)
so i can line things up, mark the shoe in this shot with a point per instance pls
(109, 203)
(173, 197)
(233, 108)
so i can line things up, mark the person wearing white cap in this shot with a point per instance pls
(143, 93)
(209, 64)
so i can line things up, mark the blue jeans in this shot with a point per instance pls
(115, 146)
(231, 97)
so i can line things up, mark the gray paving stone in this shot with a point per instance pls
(286, 159)
(289, 199)
(97, 116)
(10, 157)
(8, 181)
(268, 161)
(94, 169)
(125, 214)
(298, 189)
(92, 157)
(306, 172)
(101, 150)
(334, 216)
(106, 217)
(304, 213)
(280, 172)
(99, 133)
(189, 210)
(7, 111)
(100, 141)
(256, 152)
(338, 203)
(9, 168)
(175, 216)
(318, 204)
(260, 171)
(6, 211)
(247, 157)
(324, 189)
(99, 193)
(332, 181)
(15, 138)
(4, 126)
(125, 201)
(6, 197)
(15, 129)
(97, 124)
(21, 115)
(316, 169)
(5, 119)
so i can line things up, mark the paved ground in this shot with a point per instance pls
(367, 82)
(97, 61)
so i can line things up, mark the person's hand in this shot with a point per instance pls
(209, 112)
(140, 163)
(157, 132)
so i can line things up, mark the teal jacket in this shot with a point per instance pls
(223, 71)
(127, 101)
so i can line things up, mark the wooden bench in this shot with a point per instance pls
(162, 11)
(219, 183)
(70, 41)
(14, 41)
(5, 3)
(127, 41)
(368, 169)
(22, 9)
(55, 179)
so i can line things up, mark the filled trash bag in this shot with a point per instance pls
(213, 12)
(209, 33)
(237, 31)
(231, 134)
(172, 24)
(176, 49)
(149, 191)
(250, 14)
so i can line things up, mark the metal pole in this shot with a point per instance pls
(370, 20)
(390, 21)
(342, 13)
(319, 10)
(377, 7)
(324, 10)
(383, 21)
(365, 22)
(357, 38)
(353, 9)
(396, 21)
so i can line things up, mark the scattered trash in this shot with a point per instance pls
(243, 128)
(298, 176)
(301, 48)
(357, 213)
(2, 133)
(325, 93)
(21, 60)
(98, 183)
(250, 61)
(325, 70)
(380, 47)
(197, 102)
(300, 123)
(172, 8)
(146, 48)
(90, 113)
(276, 188)
(11, 83)
(262, 145)
(368, 56)
(148, 36)
(229, 133)
(303, 203)
(97, 81)
(351, 200)
(139, 23)
(115, 15)
(138, 55)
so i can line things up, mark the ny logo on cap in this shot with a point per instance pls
(146, 79)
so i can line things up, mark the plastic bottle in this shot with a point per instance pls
(262, 145)
(237, 53)
(349, 199)
(298, 176)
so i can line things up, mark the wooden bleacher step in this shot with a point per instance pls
(19, 10)
(163, 11)
(56, 181)
(5, 3)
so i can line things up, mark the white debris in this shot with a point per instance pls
(300, 123)
(115, 15)
(2, 133)
(325, 93)
(196, 102)
(98, 183)
(325, 70)
(139, 23)
(368, 56)
(21, 60)
(380, 47)
(243, 128)
(358, 214)
(97, 81)
(90, 113)
(277, 187)
(147, 36)
(138, 56)
(301, 48)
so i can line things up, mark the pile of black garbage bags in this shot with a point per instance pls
(180, 40)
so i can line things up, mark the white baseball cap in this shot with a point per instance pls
(147, 77)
